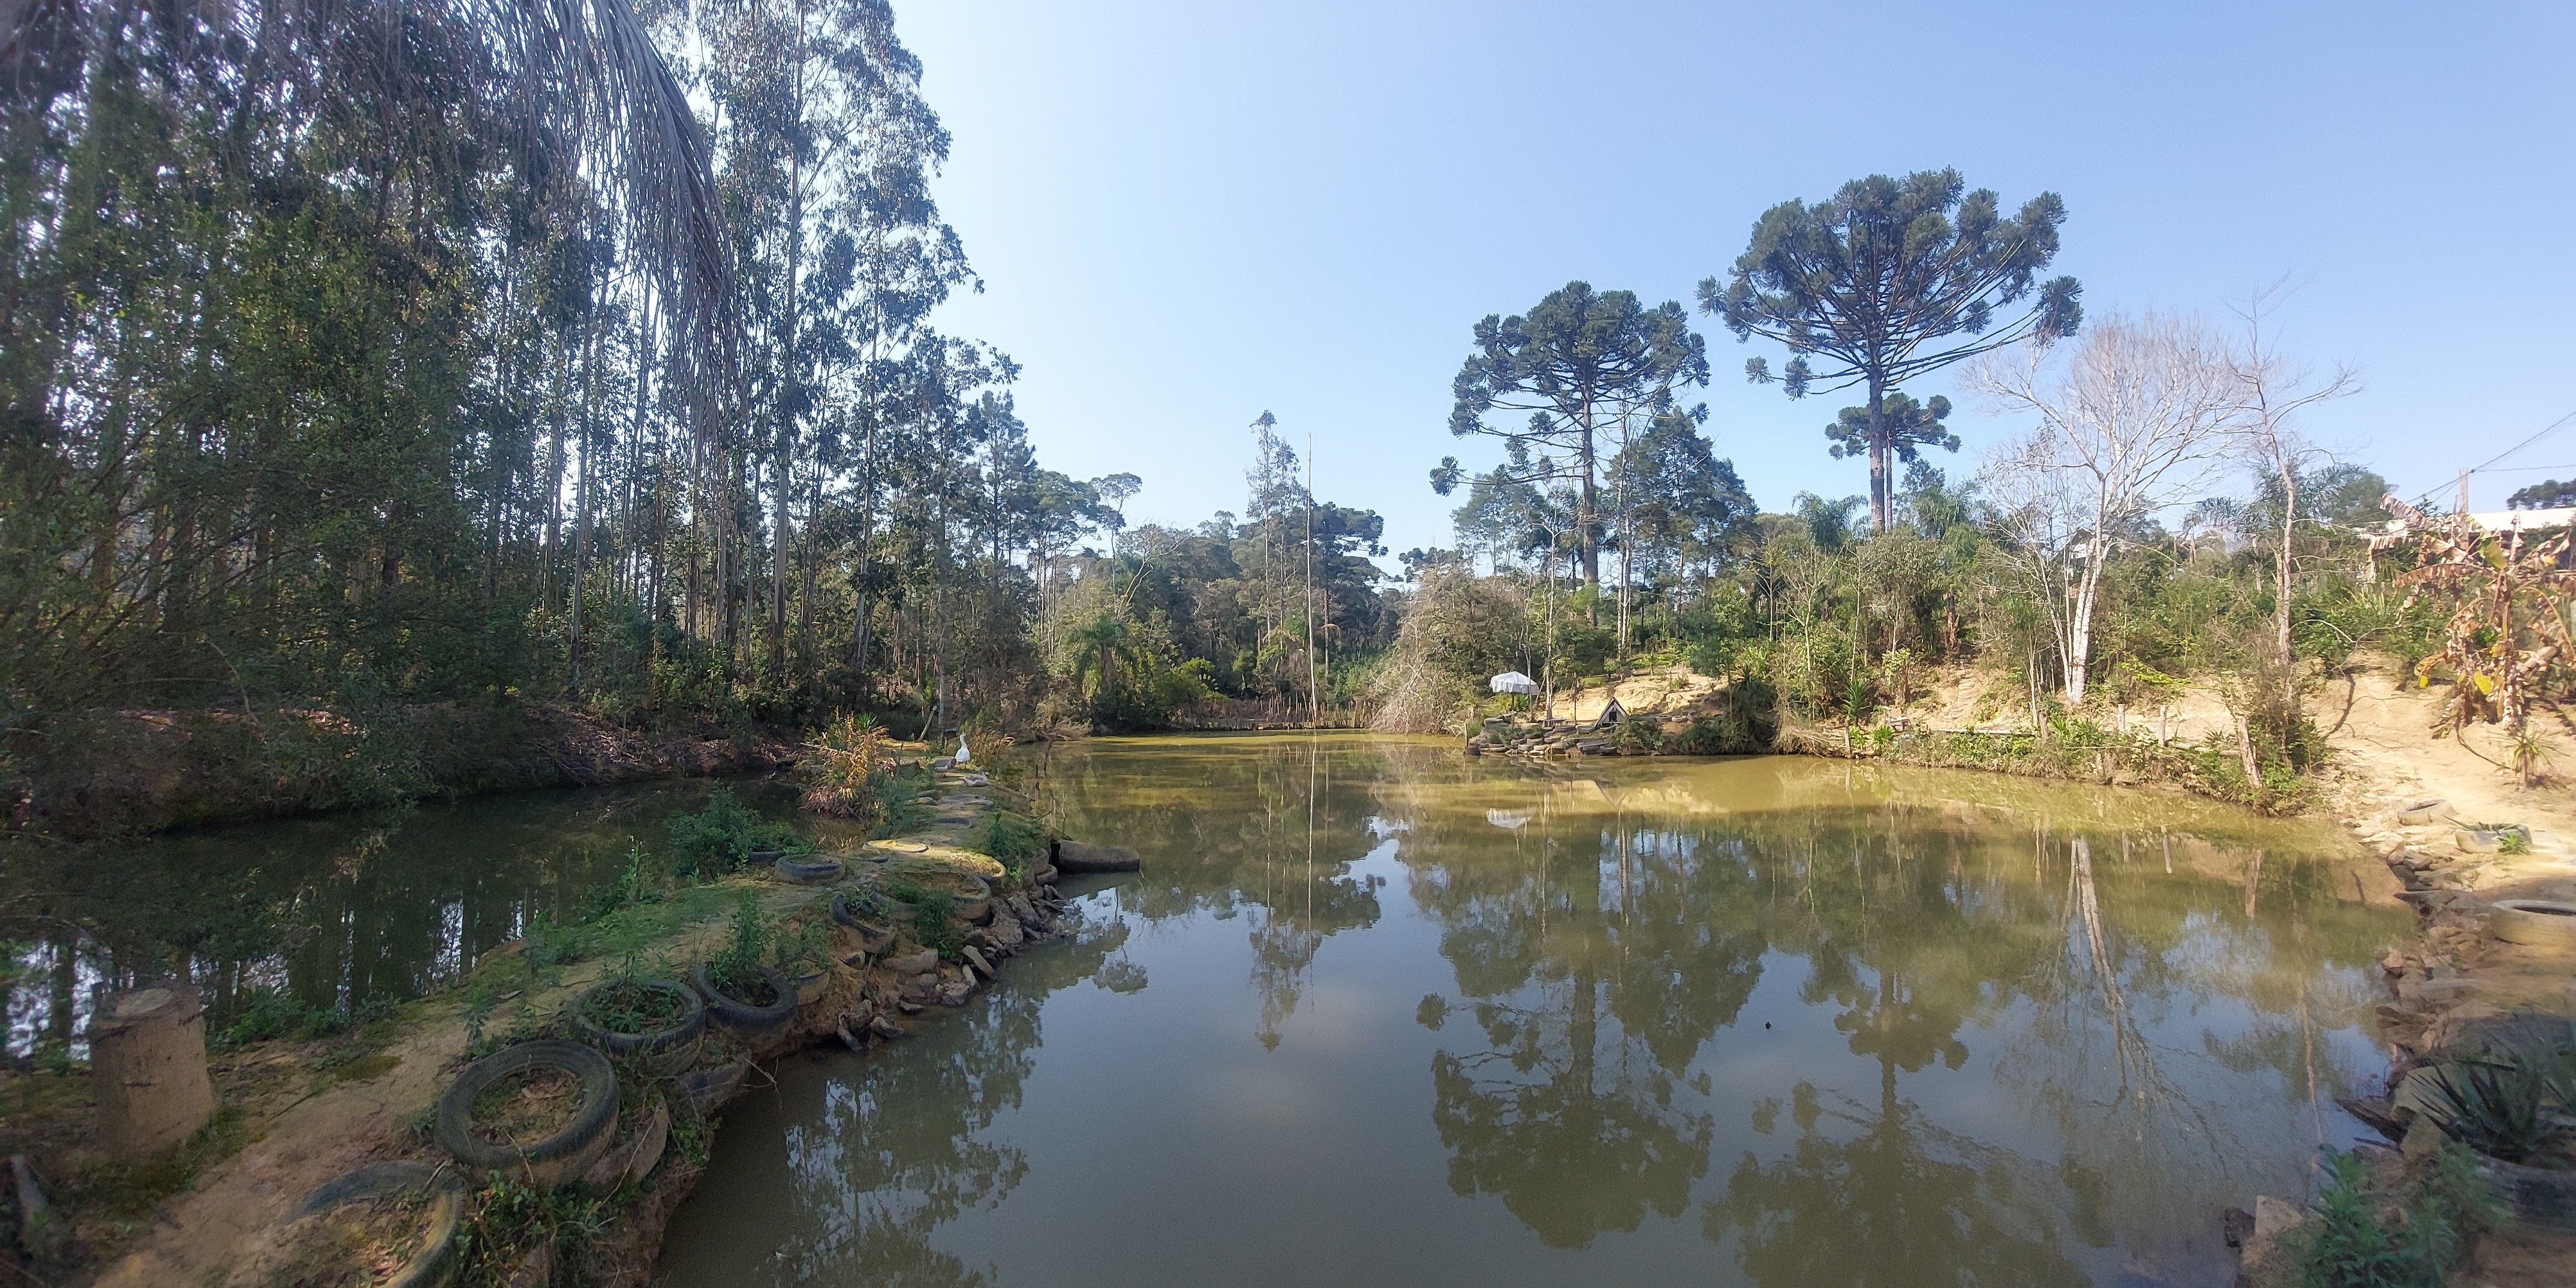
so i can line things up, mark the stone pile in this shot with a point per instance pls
(1540, 738)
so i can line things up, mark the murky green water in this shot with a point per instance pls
(334, 912)
(1375, 1013)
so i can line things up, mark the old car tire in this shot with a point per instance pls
(738, 1014)
(434, 1264)
(806, 871)
(693, 1022)
(559, 1157)
(2534, 923)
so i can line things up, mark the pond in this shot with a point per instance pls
(1376, 1012)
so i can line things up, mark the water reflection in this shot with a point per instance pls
(338, 912)
(868, 1170)
(1833, 1027)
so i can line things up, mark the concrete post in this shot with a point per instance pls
(147, 1054)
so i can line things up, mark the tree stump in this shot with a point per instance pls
(147, 1052)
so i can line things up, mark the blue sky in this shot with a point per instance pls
(1188, 213)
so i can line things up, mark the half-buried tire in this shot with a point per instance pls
(444, 1208)
(559, 1156)
(2534, 923)
(744, 1015)
(664, 1050)
(806, 871)
(876, 933)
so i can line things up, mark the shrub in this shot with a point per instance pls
(2410, 1239)
(722, 835)
(845, 770)
(2511, 1101)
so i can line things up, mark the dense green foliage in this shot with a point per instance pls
(367, 411)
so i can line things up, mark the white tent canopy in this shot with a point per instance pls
(1514, 682)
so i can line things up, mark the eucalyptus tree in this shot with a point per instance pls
(1590, 367)
(1891, 279)
(1688, 504)
(269, 302)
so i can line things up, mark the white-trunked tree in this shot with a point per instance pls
(2133, 419)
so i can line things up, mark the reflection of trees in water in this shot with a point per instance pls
(1602, 937)
(1575, 1118)
(2124, 1053)
(892, 1157)
(1599, 958)
(1263, 829)
(1879, 1196)
(339, 910)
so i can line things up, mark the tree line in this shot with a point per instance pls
(2162, 514)
(502, 356)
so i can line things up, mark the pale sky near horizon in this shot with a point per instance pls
(1186, 214)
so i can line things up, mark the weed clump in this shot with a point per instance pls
(2371, 1233)
(724, 836)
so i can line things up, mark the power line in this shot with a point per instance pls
(2553, 428)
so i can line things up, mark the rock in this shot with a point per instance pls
(41, 1230)
(2376, 1113)
(976, 960)
(536, 1269)
(2236, 1225)
(2272, 1219)
(955, 993)
(1006, 933)
(2445, 990)
(914, 963)
(2423, 1139)
(1019, 906)
(907, 1006)
(1077, 857)
(1042, 876)
(884, 1026)
(847, 1039)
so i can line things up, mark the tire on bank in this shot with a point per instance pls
(664, 1050)
(2534, 923)
(806, 871)
(747, 1015)
(874, 925)
(403, 1237)
(559, 1153)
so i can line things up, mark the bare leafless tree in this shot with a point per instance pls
(2134, 420)
(2273, 391)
